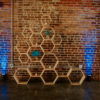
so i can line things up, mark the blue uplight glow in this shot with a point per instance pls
(4, 53)
(89, 51)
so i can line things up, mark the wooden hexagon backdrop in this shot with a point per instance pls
(46, 39)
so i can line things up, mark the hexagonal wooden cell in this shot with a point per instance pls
(22, 76)
(49, 77)
(45, 20)
(36, 26)
(36, 69)
(16, 55)
(46, 9)
(27, 32)
(47, 46)
(36, 39)
(23, 58)
(76, 76)
(47, 32)
(22, 46)
(55, 16)
(62, 69)
(49, 60)
(35, 53)
(57, 39)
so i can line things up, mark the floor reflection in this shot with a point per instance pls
(4, 92)
(59, 91)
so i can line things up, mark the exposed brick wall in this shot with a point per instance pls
(68, 21)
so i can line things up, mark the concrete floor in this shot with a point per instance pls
(9, 90)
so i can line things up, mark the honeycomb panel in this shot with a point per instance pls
(36, 39)
(33, 19)
(27, 32)
(49, 77)
(49, 60)
(22, 46)
(47, 32)
(57, 39)
(28, 41)
(36, 69)
(62, 69)
(55, 16)
(47, 46)
(76, 76)
(46, 9)
(24, 58)
(35, 53)
(22, 75)
(45, 20)
(36, 26)
(16, 57)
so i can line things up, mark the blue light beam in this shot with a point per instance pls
(4, 54)
(89, 51)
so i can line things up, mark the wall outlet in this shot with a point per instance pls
(11, 66)
(80, 66)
